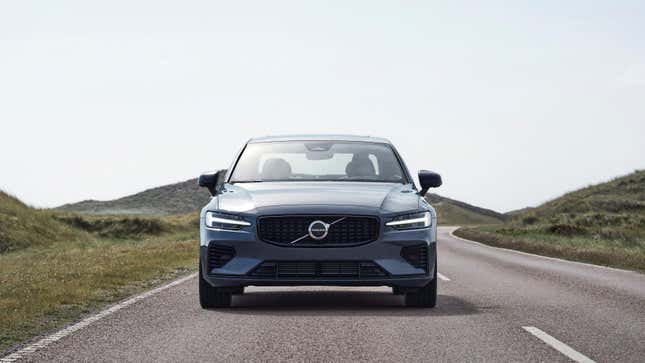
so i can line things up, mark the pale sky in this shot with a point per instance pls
(514, 103)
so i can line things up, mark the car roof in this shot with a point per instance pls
(320, 137)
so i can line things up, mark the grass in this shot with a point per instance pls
(57, 267)
(45, 288)
(602, 224)
(590, 249)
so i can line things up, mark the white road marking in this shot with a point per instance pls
(534, 255)
(31, 348)
(442, 277)
(558, 345)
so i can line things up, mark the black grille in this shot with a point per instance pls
(219, 255)
(351, 230)
(318, 269)
(417, 256)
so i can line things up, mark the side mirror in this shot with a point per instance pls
(212, 181)
(428, 179)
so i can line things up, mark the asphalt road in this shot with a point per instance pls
(594, 312)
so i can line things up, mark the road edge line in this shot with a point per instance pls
(51, 338)
(536, 255)
(558, 345)
(442, 277)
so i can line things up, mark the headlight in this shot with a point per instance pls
(225, 221)
(411, 221)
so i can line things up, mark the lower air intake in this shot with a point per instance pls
(416, 256)
(219, 255)
(318, 269)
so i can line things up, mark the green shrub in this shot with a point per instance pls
(122, 227)
(566, 230)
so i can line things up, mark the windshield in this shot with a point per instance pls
(318, 161)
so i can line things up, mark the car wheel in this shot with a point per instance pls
(212, 297)
(425, 297)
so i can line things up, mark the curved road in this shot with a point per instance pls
(494, 305)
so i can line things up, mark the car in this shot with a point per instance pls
(318, 210)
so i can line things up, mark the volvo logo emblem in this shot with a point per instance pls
(318, 230)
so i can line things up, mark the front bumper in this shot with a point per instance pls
(386, 253)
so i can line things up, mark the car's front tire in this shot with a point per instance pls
(212, 297)
(424, 297)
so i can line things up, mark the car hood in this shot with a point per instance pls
(268, 196)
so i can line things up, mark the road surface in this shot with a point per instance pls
(494, 305)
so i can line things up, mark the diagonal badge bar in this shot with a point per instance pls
(307, 235)
(300, 239)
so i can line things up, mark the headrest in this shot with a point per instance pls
(276, 168)
(360, 166)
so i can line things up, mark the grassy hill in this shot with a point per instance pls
(22, 226)
(178, 198)
(615, 209)
(187, 197)
(454, 212)
(602, 224)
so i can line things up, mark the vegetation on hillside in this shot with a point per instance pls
(171, 199)
(129, 226)
(22, 226)
(456, 213)
(603, 224)
(57, 266)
